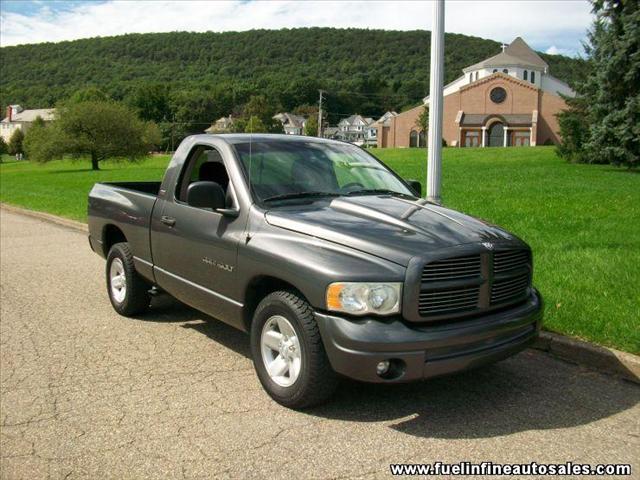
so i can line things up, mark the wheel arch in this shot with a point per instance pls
(258, 288)
(111, 234)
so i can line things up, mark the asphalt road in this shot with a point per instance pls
(86, 393)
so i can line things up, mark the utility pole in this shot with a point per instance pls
(434, 146)
(173, 126)
(320, 114)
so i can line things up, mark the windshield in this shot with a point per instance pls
(284, 170)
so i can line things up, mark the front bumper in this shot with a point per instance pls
(356, 346)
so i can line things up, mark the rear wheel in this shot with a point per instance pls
(288, 353)
(128, 291)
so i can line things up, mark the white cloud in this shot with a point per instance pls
(541, 23)
(553, 50)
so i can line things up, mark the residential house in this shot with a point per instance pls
(509, 99)
(371, 138)
(222, 125)
(20, 119)
(354, 129)
(292, 124)
(330, 132)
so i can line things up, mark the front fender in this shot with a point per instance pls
(309, 263)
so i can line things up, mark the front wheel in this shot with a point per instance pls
(128, 291)
(288, 353)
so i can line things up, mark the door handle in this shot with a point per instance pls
(170, 221)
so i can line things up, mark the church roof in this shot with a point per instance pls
(518, 53)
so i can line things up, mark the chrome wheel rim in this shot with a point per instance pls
(118, 280)
(280, 350)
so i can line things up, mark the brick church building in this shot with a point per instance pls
(509, 99)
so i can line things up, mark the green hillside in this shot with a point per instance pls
(368, 71)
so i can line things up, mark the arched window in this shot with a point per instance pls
(471, 77)
(525, 75)
(422, 142)
(505, 71)
(495, 70)
(477, 73)
(533, 77)
(413, 139)
(496, 135)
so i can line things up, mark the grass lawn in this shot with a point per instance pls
(582, 221)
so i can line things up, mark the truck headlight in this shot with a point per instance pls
(363, 298)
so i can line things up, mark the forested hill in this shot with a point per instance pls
(368, 71)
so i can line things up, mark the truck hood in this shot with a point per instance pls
(392, 228)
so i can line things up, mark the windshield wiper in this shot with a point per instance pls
(288, 196)
(378, 191)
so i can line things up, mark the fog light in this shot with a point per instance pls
(382, 367)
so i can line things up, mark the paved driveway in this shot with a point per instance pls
(89, 394)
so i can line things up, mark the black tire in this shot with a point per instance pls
(317, 381)
(136, 299)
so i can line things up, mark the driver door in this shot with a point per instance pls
(195, 250)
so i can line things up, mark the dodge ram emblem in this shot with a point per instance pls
(488, 245)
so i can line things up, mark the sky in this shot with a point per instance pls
(551, 26)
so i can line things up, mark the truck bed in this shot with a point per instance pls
(128, 206)
(151, 188)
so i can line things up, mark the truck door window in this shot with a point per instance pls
(204, 164)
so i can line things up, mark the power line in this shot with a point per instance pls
(375, 95)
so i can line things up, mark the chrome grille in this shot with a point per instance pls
(454, 300)
(510, 289)
(505, 261)
(452, 269)
(465, 285)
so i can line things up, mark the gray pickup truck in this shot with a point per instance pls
(332, 263)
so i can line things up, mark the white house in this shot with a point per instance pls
(222, 125)
(292, 124)
(354, 128)
(19, 119)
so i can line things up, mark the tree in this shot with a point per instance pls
(258, 107)
(42, 142)
(255, 125)
(306, 110)
(238, 126)
(602, 124)
(194, 110)
(422, 122)
(3, 146)
(16, 140)
(38, 122)
(311, 126)
(96, 129)
(413, 90)
(152, 102)
(152, 136)
(574, 130)
(89, 94)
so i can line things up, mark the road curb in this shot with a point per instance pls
(603, 359)
(596, 357)
(47, 217)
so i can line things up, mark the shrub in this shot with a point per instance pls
(16, 140)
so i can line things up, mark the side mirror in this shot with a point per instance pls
(206, 195)
(416, 186)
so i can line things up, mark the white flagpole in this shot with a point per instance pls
(434, 145)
